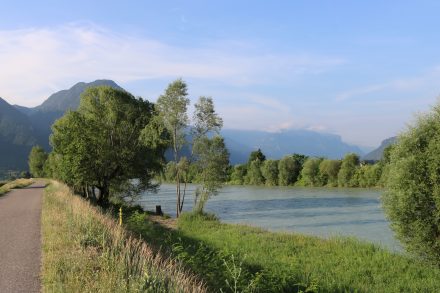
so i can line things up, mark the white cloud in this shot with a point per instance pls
(36, 62)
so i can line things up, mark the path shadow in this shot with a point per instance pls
(30, 187)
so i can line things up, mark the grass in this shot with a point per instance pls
(84, 250)
(237, 258)
(18, 183)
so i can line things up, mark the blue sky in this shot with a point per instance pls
(360, 69)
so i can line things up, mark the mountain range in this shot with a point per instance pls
(23, 127)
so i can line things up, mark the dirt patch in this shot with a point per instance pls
(168, 223)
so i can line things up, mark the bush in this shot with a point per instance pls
(412, 198)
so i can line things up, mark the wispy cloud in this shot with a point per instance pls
(37, 61)
(428, 79)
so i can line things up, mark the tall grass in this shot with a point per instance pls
(84, 250)
(18, 183)
(285, 262)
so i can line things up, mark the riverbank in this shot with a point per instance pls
(236, 256)
(90, 255)
(84, 250)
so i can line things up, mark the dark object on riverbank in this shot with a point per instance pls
(159, 210)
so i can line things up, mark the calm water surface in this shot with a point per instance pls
(317, 211)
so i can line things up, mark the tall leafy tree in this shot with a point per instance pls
(37, 159)
(254, 175)
(107, 143)
(289, 168)
(310, 172)
(348, 170)
(212, 162)
(209, 150)
(329, 170)
(269, 170)
(256, 155)
(172, 108)
(238, 174)
(412, 197)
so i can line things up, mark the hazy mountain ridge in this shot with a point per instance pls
(377, 154)
(275, 145)
(32, 126)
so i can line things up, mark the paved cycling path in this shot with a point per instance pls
(20, 242)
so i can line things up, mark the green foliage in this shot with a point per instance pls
(205, 118)
(347, 171)
(172, 109)
(310, 172)
(25, 175)
(254, 175)
(256, 155)
(269, 170)
(300, 170)
(37, 159)
(106, 144)
(366, 175)
(289, 169)
(412, 198)
(238, 174)
(212, 161)
(329, 170)
(210, 153)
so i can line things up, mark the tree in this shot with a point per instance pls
(210, 153)
(172, 108)
(310, 172)
(384, 165)
(238, 174)
(269, 170)
(329, 170)
(254, 175)
(412, 197)
(289, 169)
(212, 162)
(108, 145)
(256, 155)
(37, 159)
(348, 169)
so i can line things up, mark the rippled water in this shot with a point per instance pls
(316, 211)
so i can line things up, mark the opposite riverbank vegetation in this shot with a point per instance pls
(84, 250)
(295, 170)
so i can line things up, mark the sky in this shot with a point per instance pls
(359, 69)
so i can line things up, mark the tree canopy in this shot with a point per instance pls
(412, 199)
(107, 144)
(37, 159)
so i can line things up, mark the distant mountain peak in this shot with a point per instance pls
(63, 100)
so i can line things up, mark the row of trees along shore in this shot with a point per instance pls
(113, 146)
(299, 170)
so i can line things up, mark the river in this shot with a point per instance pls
(322, 212)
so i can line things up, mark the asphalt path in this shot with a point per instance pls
(20, 239)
